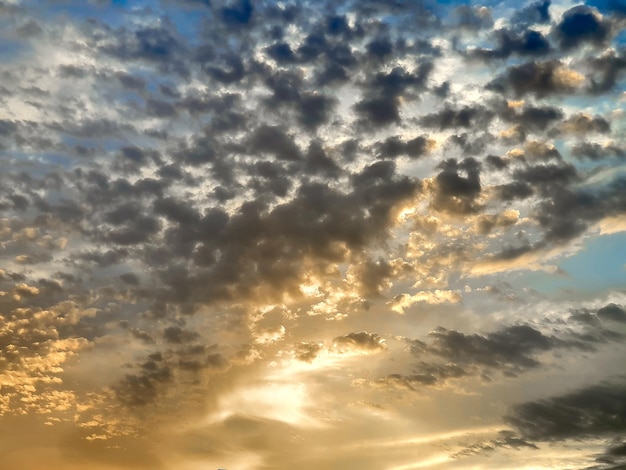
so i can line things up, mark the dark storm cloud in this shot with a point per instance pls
(582, 24)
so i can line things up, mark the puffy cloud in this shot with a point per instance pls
(359, 342)
(538, 78)
(582, 24)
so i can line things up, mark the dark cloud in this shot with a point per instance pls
(130, 82)
(238, 13)
(362, 341)
(264, 249)
(319, 162)
(595, 151)
(175, 334)
(528, 43)
(592, 412)
(380, 48)
(538, 78)
(582, 24)
(535, 13)
(314, 110)
(306, 352)
(381, 107)
(544, 175)
(158, 45)
(581, 124)
(447, 355)
(394, 147)
(496, 162)
(507, 440)
(457, 192)
(469, 145)
(413, 382)
(607, 70)
(274, 140)
(472, 18)
(511, 349)
(533, 118)
(379, 111)
(612, 312)
(452, 118)
(143, 388)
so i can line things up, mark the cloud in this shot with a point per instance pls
(582, 24)
(359, 342)
(597, 410)
(454, 192)
(612, 312)
(236, 211)
(447, 354)
(529, 43)
(539, 78)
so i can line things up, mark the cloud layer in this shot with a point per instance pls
(243, 234)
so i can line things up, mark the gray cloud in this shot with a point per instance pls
(598, 410)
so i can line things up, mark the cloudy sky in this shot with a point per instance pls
(374, 234)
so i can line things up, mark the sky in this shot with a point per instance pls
(384, 235)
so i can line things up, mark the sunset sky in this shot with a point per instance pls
(356, 234)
